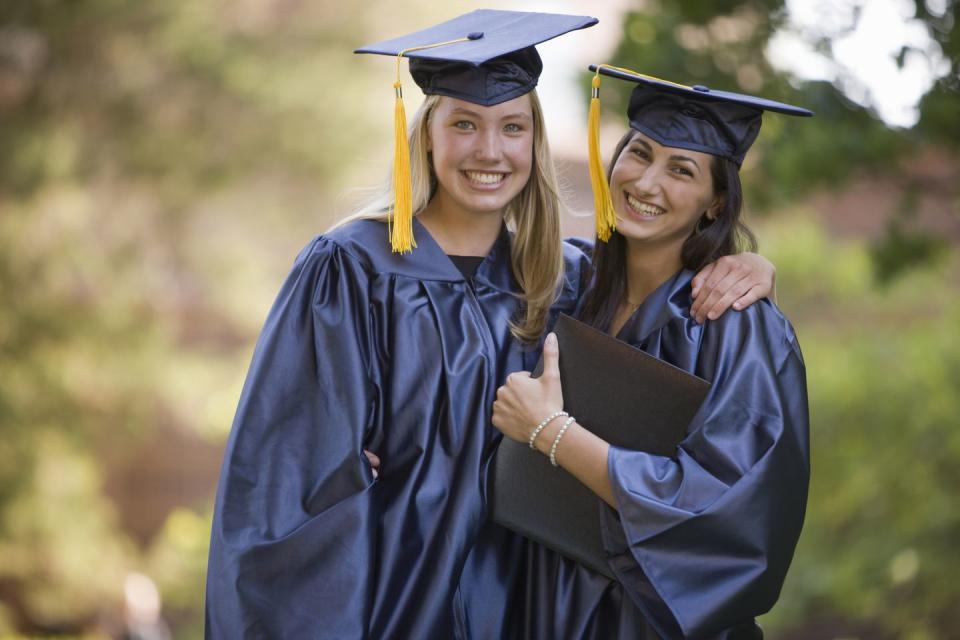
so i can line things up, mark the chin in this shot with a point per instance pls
(492, 208)
(634, 231)
(486, 206)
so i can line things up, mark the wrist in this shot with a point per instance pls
(556, 440)
(549, 434)
(532, 439)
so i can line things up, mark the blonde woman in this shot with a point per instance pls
(391, 335)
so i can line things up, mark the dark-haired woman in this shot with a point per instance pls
(700, 541)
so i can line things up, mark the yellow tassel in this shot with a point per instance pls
(401, 218)
(400, 221)
(606, 217)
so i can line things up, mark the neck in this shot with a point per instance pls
(647, 268)
(460, 232)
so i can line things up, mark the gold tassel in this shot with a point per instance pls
(401, 218)
(606, 217)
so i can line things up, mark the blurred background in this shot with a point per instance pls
(163, 161)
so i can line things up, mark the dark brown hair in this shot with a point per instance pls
(725, 235)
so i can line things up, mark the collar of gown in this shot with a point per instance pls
(368, 240)
(668, 301)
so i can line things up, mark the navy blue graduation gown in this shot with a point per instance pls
(700, 542)
(401, 355)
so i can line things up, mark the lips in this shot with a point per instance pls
(643, 209)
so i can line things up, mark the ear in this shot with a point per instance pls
(716, 207)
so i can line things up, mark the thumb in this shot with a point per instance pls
(551, 356)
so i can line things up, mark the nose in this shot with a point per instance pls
(648, 182)
(489, 145)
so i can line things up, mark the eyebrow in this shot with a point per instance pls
(646, 145)
(509, 116)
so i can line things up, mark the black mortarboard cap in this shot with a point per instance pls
(492, 58)
(696, 117)
(721, 123)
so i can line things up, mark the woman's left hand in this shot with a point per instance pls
(732, 281)
(374, 461)
(524, 401)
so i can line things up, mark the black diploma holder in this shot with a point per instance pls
(623, 395)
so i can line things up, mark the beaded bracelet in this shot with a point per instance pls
(550, 418)
(556, 441)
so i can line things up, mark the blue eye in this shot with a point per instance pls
(464, 124)
(513, 128)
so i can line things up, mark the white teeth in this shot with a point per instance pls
(484, 178)
(644, 208)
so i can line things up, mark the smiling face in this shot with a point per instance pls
(660, 192)
(482, 156)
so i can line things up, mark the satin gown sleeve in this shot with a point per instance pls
(293, 506)
(701, 542)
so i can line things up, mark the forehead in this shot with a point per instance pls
(659, 149)
(521, 106)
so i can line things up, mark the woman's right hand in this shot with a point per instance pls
(524, 401)
(732, 281)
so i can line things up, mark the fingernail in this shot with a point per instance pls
(552, 338)
(737, 305)
(712, 315)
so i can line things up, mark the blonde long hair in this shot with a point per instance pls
(536, 254)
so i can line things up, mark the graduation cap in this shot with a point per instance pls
(721, 123)
(484, 57)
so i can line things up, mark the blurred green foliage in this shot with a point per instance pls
(878, 554)
(164, 159)
(902, 246)
(722, 45)
(717, 45)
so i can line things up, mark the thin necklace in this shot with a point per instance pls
(633, 306)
